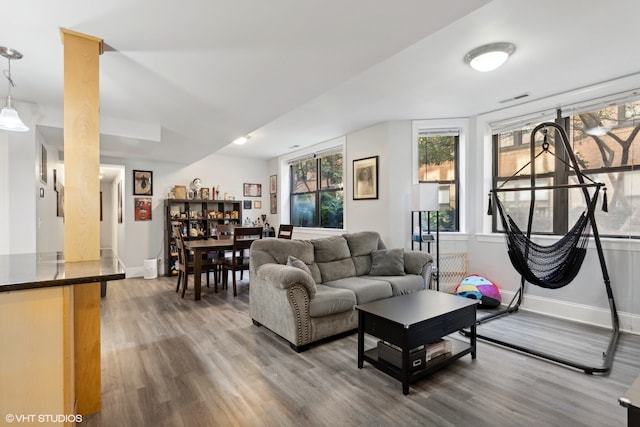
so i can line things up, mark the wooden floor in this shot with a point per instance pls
(168, 361)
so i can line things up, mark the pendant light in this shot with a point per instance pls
(9, 118)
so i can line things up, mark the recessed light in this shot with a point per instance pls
(489, 56)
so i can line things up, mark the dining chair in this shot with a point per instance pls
(285, 231)
(223, 232)
(185, 262)
(243, 237)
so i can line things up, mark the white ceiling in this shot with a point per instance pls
(181, 80)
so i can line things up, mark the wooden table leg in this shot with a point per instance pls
(197, 274)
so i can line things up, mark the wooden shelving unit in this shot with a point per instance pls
(198, 219)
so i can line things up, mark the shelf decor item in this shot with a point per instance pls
(142, 183)
(365, 178)
(180, 192)
(204, 193)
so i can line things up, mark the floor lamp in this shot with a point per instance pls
(424, 198)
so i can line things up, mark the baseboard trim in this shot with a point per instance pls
(629, 322)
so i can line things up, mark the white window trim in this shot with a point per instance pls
(462, 125)
(339, 145)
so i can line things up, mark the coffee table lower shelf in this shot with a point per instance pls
(458, 350)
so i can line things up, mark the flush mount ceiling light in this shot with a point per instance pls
(490, 56)
(242, 140)
(9, 118)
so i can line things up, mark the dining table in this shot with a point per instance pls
(200, 247)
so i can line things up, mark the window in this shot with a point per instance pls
(438, 163)
(607, 147)
(317, 195)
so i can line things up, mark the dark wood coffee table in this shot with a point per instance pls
(409, 321)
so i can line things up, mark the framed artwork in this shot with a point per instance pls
(274, 203)
(273, 184)
(246, 204)
(60, 201)
(257, 204)
(142, 184)
(365, 178)
(204, 193)
(120, 202)
(142, 209)
(43, 164)
(180, 192)
(252, 190)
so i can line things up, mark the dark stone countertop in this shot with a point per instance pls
(32, 271)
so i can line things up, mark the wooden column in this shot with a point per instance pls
(82, 205)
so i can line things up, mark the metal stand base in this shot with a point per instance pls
(513, 309)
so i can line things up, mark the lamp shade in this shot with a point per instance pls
(424, 197)
(10, 120)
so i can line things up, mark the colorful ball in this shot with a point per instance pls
(477, 287)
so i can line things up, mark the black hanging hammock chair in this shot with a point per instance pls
(552, 266)
(555, 265)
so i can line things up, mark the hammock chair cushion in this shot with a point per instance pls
(480, 288)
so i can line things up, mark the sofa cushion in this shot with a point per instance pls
(402, 285)
(333, 258)
(295, 262)
(387, 262)
(277, 251)
(361, 245)
(330, 300)
(365, 289)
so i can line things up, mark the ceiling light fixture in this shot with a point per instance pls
(242, 140)
(489, 56)
(9, 118)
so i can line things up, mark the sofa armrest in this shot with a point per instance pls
(418, 262)
(284, 276)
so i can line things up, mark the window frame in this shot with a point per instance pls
(563, 174)
(319, 191)
(421, 130)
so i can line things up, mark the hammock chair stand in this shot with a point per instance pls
(516, 301)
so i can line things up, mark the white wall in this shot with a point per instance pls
(19, 190)
(50, 227)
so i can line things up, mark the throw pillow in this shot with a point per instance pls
(387, 262)
(298, 263)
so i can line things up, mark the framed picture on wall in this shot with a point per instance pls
(252, 190)
(119, 202)
(246, 204)
(142, 183)
(273, 201)
(365, 178)
(257, 204)
(142, 208)
(43, 164)
(273, 184)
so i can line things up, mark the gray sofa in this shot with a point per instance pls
(305, 290)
